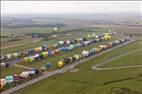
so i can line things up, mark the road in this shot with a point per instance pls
(58, 71)
(21, 66)
(96, 66)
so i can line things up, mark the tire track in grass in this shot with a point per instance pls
(97, 66)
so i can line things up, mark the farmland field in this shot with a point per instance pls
(115, 69)
(88, 81)
(23, 44)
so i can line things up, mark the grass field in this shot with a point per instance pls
(88, 81)
(127, 61)
(10, 47)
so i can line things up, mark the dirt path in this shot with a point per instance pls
(62, 70)
(19, 43)
(96, 66)
(116, 68)
(21, 66)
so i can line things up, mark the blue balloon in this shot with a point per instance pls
(48, 65)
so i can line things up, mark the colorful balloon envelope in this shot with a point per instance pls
(8, 56)
(60, 64)
(48, 65)
(9, 79)
(43, 68)
(2, 83)
(26, 59)
(15, 55)
(24, 74)
(31, 59)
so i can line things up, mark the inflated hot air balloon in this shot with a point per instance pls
(98, 49)
(70, 47)
(15, 55)
(43, 68)
(38, 49)
(71, 59)
(31, 72)
(107, 36)
(96, 36)
(30, 51)
(57, 51)
(24, 74)
(61, 42)
(67, 42)
(42, 55)
(37, 57)
(93, 35)
(17, 78)
(31, 59)
(3, 64)
(44, 47)
(85, 53)
(26, 59)
(66, 60)
(60, 64)
(48, 65)
(89, 35)
(8, 56)
(2, 83)
(9, 79)
(56, 29)
(45, 53)
(77, 57)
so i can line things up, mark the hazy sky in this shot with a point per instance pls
(20, 7)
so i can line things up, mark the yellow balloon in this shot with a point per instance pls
(46, 53)
(60, 64)
(107, 37)
(26, 59)
(97, 36)
(1, 86)
(89, 35)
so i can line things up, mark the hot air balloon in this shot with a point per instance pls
(60, 64)
(43, 68)
(77, 57)
(26, 59)
(61, 42)
(31, 59)
(2, 83)
(66, 60)
(15, 55)
(9, 79)
(36, 57)
(48, 65)
(8, 56)
(3, 64)
(24, 74)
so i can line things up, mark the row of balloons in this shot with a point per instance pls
(93, 51)
(45, 54)
(61, 63)
(54, 46)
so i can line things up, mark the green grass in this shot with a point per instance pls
(88, 81)
(39, 43)
(17, 31)
(9, 71)
(127, 61)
